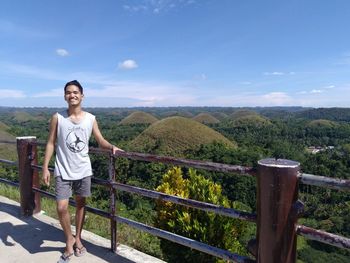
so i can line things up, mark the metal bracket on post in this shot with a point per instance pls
(27, 154)
(276, 204)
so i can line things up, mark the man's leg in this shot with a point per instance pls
(79, 219)
(64, 217)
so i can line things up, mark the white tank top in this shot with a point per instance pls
(72, 147)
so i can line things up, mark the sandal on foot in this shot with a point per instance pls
(79, 251)
(64, 258)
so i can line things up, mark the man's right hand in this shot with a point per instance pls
(46, 176)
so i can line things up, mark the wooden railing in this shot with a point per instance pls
(278, 207)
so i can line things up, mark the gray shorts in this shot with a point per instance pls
(80, 187)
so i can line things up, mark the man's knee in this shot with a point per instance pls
(80, 201)
(62, 207)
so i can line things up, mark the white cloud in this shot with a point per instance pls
(145, 94)
(302, 92)
(157, 6)
(275, 73)
(278, 73)
(135, 8)
(49, 93)
(276, 99)
(11, 94)
(128, 64)
(62, 52)
(316, 91)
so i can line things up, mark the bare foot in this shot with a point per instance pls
(69, 245)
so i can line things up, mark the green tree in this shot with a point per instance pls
(215, 230)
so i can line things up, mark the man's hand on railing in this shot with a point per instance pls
(116, 149)
(46, 176)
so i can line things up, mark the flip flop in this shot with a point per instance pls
(64, 258)
(79, 251)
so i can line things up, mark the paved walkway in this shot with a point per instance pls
(39, 239)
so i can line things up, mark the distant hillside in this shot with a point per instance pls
(322, 123)
(219, 115)
(138, 117)
(185, 114)
(7, 151)
(242, 113)
(22, 116)
(205, 118)
(332, 114)
(174, 135)
(248, 118)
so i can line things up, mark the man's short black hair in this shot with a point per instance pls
(75, 83)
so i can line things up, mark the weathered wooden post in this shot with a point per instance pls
(112, 208)
(28, 177)
(277, 210)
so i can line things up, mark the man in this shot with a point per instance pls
(70, 131)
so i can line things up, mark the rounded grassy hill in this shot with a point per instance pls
(174, 135)
(248, 118)
(219, 115)
(185, 114)
(138, 117)
(22, 116)
(322, 123)
(7, 151)
(205, 118)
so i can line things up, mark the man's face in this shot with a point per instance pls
(73, 95)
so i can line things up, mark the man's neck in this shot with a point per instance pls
(75, 111)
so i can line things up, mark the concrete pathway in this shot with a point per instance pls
(39, 239)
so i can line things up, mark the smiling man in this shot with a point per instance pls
(70, 131)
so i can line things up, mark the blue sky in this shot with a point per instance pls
(176, 52)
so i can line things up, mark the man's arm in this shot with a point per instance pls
(102, 142)
(50, 147)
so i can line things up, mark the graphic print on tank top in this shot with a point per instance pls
(74, 140)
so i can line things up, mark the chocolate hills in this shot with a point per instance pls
(174, 135)
(138, 117)
(248, 118)
(205, 118)
(322, 123)
(7, 151)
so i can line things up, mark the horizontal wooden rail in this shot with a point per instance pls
(224, 254)
(72, 202)
(39, 167)
(5, 181)
(180, 201)
(233, 213)
(8, 142)
(309, 233)
(14, 163)
(334, 183)
(210, 166)
(324, 237)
